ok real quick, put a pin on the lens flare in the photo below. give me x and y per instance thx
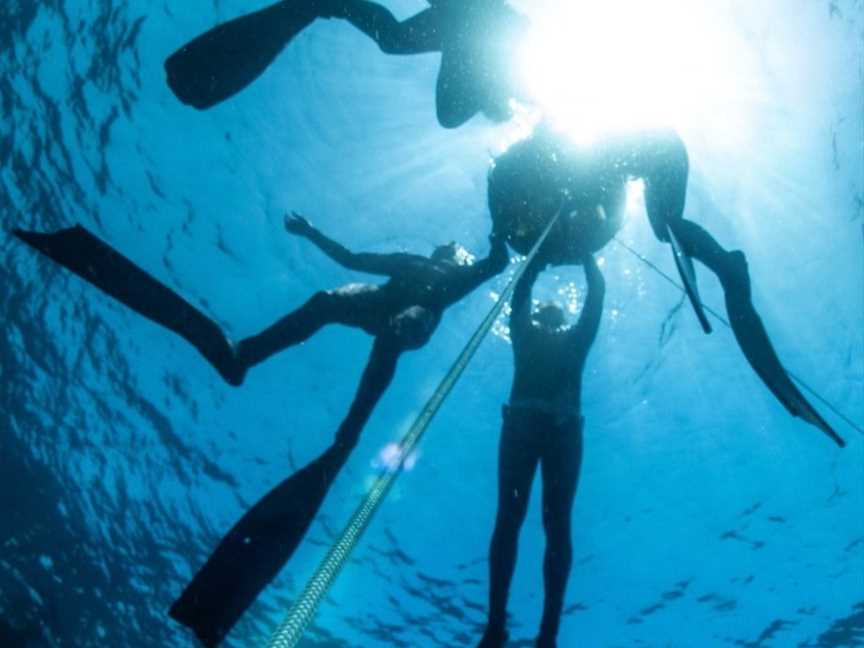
(389, 456)
(595, 67)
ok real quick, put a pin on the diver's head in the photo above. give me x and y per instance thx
(549, 316)
(446, 253)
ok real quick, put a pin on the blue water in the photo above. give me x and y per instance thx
(706, 516)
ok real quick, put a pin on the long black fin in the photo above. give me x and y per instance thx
(81, 252)
(752, 338)
(688, 277)
(754, 342)
(254, 551)
(223, 61)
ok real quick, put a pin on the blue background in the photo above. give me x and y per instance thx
(706, 516)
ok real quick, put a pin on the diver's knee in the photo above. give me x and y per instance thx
(733, 271)
(347, 438)
(235, 376)
(231, 363)
(451, 121)
(322, 301)
(668, 142)
(556, 527)
(558, 538)
(392, 44)
(511, 518)
(452, 116)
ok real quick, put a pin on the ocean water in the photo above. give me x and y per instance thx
(706, 515)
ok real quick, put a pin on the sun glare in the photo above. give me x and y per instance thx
(593, 67)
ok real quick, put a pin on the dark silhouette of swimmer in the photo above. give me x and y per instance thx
(539, 175)
(542, 426)
(475, 38)
(401, 314)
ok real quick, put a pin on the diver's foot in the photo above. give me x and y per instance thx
(494, 638)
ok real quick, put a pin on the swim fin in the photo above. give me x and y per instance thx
(81, 252)
(688, 277)
(221, 62)
(255, 549)
(754, 342)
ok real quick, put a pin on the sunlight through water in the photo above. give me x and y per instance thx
(591, 68)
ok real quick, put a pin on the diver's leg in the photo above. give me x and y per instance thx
(376, 378)
(660, 158)
(517, 463)
(317, 478)
(417, 35)
(698, 243)
(81, 252)
(292, 329)
(352, 305)
(264, 539)
(456, 94)
(561, 461)
(731, 270)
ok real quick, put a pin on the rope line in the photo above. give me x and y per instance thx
(289, 633)
(724, 321)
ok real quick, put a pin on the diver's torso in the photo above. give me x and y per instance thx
(423, 292)
(548, 371)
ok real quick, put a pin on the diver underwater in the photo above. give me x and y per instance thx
(301, 298)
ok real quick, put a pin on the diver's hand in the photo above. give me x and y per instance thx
(297, 225)
(498, 242)
(498, 251)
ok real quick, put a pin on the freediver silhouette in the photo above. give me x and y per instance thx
(542, 426)
(532, 178)
(475, 38)
(401, 314)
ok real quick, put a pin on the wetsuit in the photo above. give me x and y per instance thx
(476, 39)
(542, 426)
(402, 314)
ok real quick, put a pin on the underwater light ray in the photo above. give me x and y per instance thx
(625, 65)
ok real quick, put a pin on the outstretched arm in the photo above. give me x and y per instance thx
(382, 264)
(585, 331)
(520, 303)
(468, 278)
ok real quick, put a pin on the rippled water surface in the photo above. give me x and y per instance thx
(706, 516)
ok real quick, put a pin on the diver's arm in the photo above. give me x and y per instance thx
(585, 331)
(520, 303)
(468, 278)
(382, 264)
(660, 159)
